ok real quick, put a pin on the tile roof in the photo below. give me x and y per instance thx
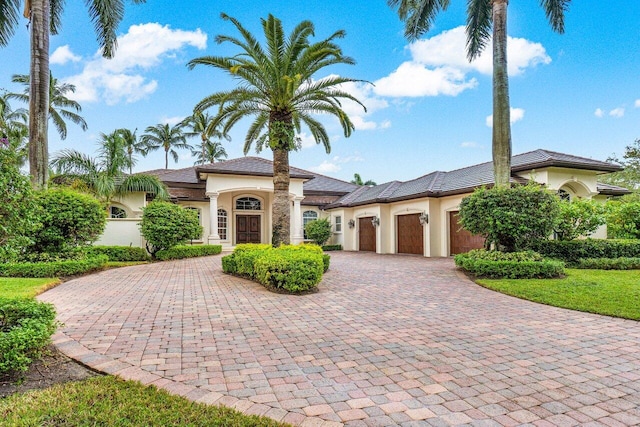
(545, 158)
(612, 190)
(184, 176)
(256, 166)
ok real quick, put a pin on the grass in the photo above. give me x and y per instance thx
(104, 401)
(608, 292)
(23, 287)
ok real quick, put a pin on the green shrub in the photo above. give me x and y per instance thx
(326, 261)
(623, 219)
(69, 220)
(165, 225)
(184, 251)
(229, 264)
(119, 253)
(579, 218)
(289, 270)
(609, 263)
(319, 231)
(328, 248)
(245, 256)
(26, 326)
(574, 250)
(518, 265)
(510, 217)
(53, 269)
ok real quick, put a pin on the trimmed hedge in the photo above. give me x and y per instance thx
(513, 265)
(572, 251)
(26, 326)
(609, 263)
(328, 248)
(119, 253)
(188, 251)
(53, 269)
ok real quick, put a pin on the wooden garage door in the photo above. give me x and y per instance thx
(410, 234)
(367, 233)
(461, 240)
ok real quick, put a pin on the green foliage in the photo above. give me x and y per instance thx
(165, 225)
(319, 231)
(244, 257)
(69, 220)
(623, 219)
(328, 248)
(184, 251)
(26, 327)
(609, 263)
(630, 176)
(53, 269)
(510, 217)
(579, 218)
(12, 287)
(17, 210)
(515, 265)
(574, 250)
(326, 261)
(118, 253)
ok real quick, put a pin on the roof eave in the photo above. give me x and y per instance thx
(569, 165)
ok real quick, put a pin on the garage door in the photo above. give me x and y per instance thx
(367, 234)
(461, 240)
(410, 234)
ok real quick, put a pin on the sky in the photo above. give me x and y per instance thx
(428, 108)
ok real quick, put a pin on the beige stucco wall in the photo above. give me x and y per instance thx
(122, 232)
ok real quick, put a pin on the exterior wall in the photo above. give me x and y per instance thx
(581, 183)
(122, 232)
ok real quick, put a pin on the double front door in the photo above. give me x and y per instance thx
(248, 229)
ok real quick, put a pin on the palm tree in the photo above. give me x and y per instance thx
(13, 128)
(482, 15)
(132, 145)
(45, 19)
(104, 174)
(278, 89)
(60, 107)
(204, 126)
(169, 138)
(357, 180)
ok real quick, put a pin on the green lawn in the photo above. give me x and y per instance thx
(109, 401)
(22, 287)
(610, 292)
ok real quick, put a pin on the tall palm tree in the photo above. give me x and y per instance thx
(204, 126)
(13, 128)
(132, 145)
(357, 180)
(45, 19)
(211, 152)
(278, 89)
(169, 138)
(60, 107)
(482, 15)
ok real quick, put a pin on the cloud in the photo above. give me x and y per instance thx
(637, 103)
(62, 55)
(412, 79)
(598, 113)
(470, 144)
(142, 48)
(617, 112)
(516, 114)
(171, 121)
(334, 165)
(364, 93)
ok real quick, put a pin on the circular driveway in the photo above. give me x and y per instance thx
(388, 340)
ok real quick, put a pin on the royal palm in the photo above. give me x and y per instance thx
(203, 126)
(169, 138)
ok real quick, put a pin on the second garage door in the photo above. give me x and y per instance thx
(460, 240)
(410, 234)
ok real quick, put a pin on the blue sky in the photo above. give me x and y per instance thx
(577, 93)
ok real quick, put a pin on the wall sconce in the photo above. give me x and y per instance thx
(375, 221)
(351, 223)
(424, 218)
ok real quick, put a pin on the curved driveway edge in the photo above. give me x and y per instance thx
(388, 340)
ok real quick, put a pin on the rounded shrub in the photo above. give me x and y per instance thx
(165, 225)
(319, 231)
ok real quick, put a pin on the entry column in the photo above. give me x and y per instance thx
(298, 236)
(214, 237)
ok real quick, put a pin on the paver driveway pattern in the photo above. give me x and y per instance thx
(388, 340)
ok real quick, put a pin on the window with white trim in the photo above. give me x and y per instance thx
(564, 195)
(248, 204)
(307, 217)
(338, 224)
(116, 212)
(222, 224)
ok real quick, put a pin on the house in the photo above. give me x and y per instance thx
(233, 200)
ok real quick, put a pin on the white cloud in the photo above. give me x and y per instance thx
(598, 113)
(334, 165)
(171, 121)
(516, 114)
(121, 79)
(413, 80)
(469, 144)
(62, 55)
(637, 104)
(617, 112)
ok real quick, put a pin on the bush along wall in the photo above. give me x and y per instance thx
(55, 268)
(573, 251)
(186, 251)
(511, 265)
(119, 253)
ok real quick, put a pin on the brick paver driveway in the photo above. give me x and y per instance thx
(388, 340)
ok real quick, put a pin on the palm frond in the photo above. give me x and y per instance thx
(479, 21)
(418, 16)
(555, 10)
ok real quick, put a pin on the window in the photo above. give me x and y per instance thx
(308, 216)
(222, 224)
(116, 212)
(564, 195)
(248, 204)
(338, 224)
(197, 211)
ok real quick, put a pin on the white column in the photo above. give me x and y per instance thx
(214, 237)
(298, 236)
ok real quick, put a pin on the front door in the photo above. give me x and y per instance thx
(247, 229)
(367, 234)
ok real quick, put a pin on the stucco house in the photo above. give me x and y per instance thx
(233, 200)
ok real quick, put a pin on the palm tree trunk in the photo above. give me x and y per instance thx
(501, 142)
(281, 206)
(166, 159)
(39, 94)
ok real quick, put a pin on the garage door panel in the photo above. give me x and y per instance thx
(410, 236)
(461, 240)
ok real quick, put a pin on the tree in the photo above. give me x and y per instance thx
(482, 16)
(278, 89)
(45, 19)
(319, 231)
(204, 126)
(630, 176)
(579, 218)
(165, 225)
(357, 180)
(212, 151)
(132, 145)
(14, 129)
(623, 218)
(169, 138)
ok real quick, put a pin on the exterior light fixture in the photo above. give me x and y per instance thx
(375, 221)
(424, 218)
(351, 223)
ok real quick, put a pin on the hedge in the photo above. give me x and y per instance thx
(188, 251)
(609, 263)
(328, 248)
(119, 253)
(54, 269)
(26, 326)
(516, 265)
(572, 251)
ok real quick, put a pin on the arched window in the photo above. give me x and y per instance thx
(116, 212)
(308, 216)
(222, 224)
(564, 195)
(248, 204)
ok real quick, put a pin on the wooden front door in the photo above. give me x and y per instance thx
(410, 234)
(460, 240)
(367, 234)
(247, 229)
